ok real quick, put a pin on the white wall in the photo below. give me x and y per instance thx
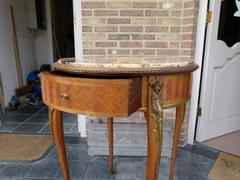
(7, 55)
(42, 46)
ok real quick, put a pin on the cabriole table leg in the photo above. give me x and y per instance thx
(57, 123)
(110, 143)
(180, 112)
(154, 117)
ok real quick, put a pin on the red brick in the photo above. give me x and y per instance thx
(118, 20)
(131, 13)
(187, 52)
(169, 21)
(93, 36)
(143, 52)
(190, 4)
(156, 13)
(87, 28)
(86, 12)
(187, 44)
(106, 44)
(176, 13)
(144, 5)
(105, 13)
(144, 21)
(94, 52)
(93, 21)
(119, 5)
(187, 37)
(189, 28)
(87, 44)
(156, 29)
(131, 44)
(131, 29)
(170, 5)
(174, 44)
(119, 51)
(91, 5)
(176, 29)
(143, 36)
(156, 44)
(188, 21)
(190, 12)
(106, 28)
(118, 36)
(168, 36)
(172, 52)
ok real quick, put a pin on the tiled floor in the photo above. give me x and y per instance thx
(193, 162)
(229, 143)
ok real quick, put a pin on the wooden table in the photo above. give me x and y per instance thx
(117, 87)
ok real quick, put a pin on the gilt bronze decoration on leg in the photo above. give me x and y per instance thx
(157, 116)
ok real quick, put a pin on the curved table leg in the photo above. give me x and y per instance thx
(180, 112)
(154, 116)
(57, 125)
(110, 143)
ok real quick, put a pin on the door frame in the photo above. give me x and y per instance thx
(77, 15)
(200, 40)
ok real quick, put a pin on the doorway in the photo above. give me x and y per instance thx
(62, 28)
(220, 86)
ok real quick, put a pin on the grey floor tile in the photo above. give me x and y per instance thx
(2, 165)
(184, 156)
(46, 168)
(131, 170)
(16, 169)
(28, 128)
(17, 118)
(206, 168)
(99, 170)
(53, 153)
(7, 127)
(40, 118)
(44, 111)
(67, 128)
(188, 171)
(69, 118)
(74, 130)
(79, 153)
(46, 130)
(30, 110)
(202, 150)
(132, 159)
(77, 169)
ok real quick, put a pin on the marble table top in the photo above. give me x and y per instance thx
(124, 65)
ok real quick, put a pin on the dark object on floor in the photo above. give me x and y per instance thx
(45, 67)
(23, 90)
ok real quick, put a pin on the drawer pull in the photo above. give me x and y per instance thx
(63, 96)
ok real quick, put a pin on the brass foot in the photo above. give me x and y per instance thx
(111, 171)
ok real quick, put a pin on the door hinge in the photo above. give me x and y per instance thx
(209, 17)
(199, 111)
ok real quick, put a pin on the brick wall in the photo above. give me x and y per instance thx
(141, 27)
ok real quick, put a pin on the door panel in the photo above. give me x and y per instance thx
(220, 92)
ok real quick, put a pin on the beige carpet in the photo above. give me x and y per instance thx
(15, 147)
(227, 167)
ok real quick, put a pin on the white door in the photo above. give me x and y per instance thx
(220, 87)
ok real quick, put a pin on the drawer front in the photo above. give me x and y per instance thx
(92, 95)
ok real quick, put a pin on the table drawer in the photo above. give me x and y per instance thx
(91, 95)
